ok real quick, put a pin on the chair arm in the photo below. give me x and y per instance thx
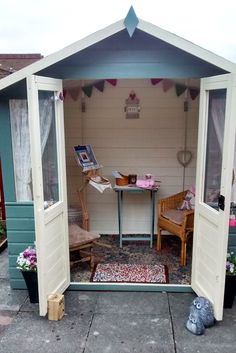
(188, 219)
(171, 202)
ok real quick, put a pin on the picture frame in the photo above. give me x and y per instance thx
(85, 157)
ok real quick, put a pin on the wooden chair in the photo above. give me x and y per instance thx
(177, 222)
(82, 241)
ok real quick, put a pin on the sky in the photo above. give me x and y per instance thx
(46, 26)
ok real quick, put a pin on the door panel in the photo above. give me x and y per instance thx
(46, 123)
(214, 176)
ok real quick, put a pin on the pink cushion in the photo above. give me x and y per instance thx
(175, 216)
(79, 236)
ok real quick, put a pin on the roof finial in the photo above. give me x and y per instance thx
(131, 21)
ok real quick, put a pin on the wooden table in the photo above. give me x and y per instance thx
(133, 189)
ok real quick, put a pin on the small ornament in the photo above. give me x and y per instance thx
(132, 107)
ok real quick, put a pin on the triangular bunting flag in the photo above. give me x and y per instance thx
(74, 92)
(167, 84)
(180, 89)
(99, 85)
(112, 81)
(88, 90)
(155, 81)
(194, 92)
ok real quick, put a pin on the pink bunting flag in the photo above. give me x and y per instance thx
(155, 81)
(74, 92)
(167, 84)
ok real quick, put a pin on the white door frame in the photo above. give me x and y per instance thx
(51, 224)
(210, 225)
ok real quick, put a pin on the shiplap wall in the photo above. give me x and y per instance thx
(132, 146)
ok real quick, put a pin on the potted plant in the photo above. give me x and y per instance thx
(27, 264)
(230, 280)
(3, 238)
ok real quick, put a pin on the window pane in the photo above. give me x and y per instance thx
(215, 136)
(48, 147)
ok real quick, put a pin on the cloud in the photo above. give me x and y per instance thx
(46, 26)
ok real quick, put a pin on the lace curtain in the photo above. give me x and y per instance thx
(21, 149)
(217, 111)
(21, 143)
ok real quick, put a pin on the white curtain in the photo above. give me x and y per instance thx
(21, 142)
(21, 148)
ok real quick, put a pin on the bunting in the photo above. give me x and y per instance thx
(112, 81)
(155, 81)
(99, 85)
(167, 84)
(88, 90)
(194, 92)
(180, 89)
(73, 92)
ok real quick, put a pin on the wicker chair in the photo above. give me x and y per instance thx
(178, 223)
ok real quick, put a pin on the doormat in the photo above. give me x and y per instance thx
(130, 273)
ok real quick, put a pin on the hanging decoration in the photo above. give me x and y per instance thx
(167, 84)
(99, 85)
(132, 108)
(155, 81)
(184, 156)
(73, 92)
(88, 90)
(180, 89)
(194, 92)
(112, 81)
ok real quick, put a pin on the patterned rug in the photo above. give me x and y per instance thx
(138, 253)
(130, 273)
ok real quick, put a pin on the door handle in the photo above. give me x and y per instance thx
(221, 202)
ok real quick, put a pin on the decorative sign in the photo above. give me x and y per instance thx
(132, 108)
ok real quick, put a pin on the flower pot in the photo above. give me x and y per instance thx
(31, 281)
(230, 291)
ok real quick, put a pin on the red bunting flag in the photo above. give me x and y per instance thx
(112, 81)
(194, 92)
(155, 81)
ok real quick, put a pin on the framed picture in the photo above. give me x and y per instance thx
(85, 157)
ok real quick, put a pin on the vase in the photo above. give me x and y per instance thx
(230, 291)
(31, 281)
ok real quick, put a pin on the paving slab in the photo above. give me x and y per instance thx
(30, 333)
(11, 300)
(80, 302)
(133, 303)
(4, 264)
(126, 333)
(218, 339)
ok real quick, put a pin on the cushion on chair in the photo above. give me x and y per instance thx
(79, 236)
(175, 216)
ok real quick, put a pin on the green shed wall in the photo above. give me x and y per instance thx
(19, 215)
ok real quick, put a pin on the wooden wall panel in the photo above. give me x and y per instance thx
(145, 145)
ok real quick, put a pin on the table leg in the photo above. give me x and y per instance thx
(152, 213)
(120, 214)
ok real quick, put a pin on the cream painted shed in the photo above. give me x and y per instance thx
(135, 55)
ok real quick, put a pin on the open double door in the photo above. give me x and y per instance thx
(211, 219)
